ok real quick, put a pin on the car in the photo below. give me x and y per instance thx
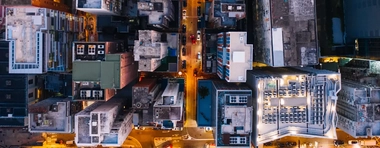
(195, 73)
(184, 64)
(192, 38)
(353, 142)
(208, 129)
(199, 57)
(291, 143)
(184, 14)
(183, 51)
(183, 28)
(268, 144)
(199, 11)
(183, 40)
(184, 3)
(198, 35)
(338, 142)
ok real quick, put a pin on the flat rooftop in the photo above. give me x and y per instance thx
(241, 56)
(50, 115)
(284, 107)
(240, 116)
(22, 28)
(155, 10)
(297, 40)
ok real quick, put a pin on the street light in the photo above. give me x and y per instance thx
(180, 73)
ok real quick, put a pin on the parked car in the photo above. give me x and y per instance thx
(183, 28)
(268, 144)
(184, 14)
(199, 11)
(198, 35)
(199, 56)
(338, 142)
(184, 3)
(195, 72)
(291, 143)
(184, 64)
(183, 51)
(183, 40)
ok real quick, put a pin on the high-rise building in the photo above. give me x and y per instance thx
(100, 7)
(286, 33)
(103, 123)
(40, 39)
(149, 50)
(16, 92)
(232, 114)
(299, 101)
(51, 115)
(226, 13)
(158, 12)
(168, 108)
(234, 56)
(111, 68)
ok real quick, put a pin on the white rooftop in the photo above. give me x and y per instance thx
(241, 56)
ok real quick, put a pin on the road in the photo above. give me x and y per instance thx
(192, 62)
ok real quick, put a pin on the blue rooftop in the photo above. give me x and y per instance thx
(204, 116)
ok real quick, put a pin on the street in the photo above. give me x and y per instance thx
(193, 63)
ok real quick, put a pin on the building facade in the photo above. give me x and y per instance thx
(40, 39)
(232, 114)
(149, 50)
(16, 92)
(103, 123)
(297, 101)
(234, 56)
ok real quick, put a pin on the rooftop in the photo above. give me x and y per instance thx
(50, 115)
(289, 37)
(155, 10)
(240, 117)
(284, 106)
(228, 12)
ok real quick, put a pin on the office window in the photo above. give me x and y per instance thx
(8, 96)
(30, 81)
(31, 95)
(8, 82)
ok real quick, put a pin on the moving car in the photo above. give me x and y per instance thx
(199, 56)
(353, 142)
(195, 72)
(338, 142)
(192, 38)
(198, 35)
(184, 14)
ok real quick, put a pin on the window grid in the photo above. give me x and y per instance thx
(243, 99)
(91, 50)
(233, 99)
(80, 50)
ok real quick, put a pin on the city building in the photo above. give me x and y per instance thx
(40, 39)
(149, 50)
(2, 21)
(60, 83)
(234, 56)
(158, 12)
(103, 123)
(51, 115)
(367, 48)
(101, 7)
(60, 5)
(286, 33)
(226, 13)
(16, 92)
(299, 101)
(168, 108)
(111, 68)
(358, 20)
(232, 114)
